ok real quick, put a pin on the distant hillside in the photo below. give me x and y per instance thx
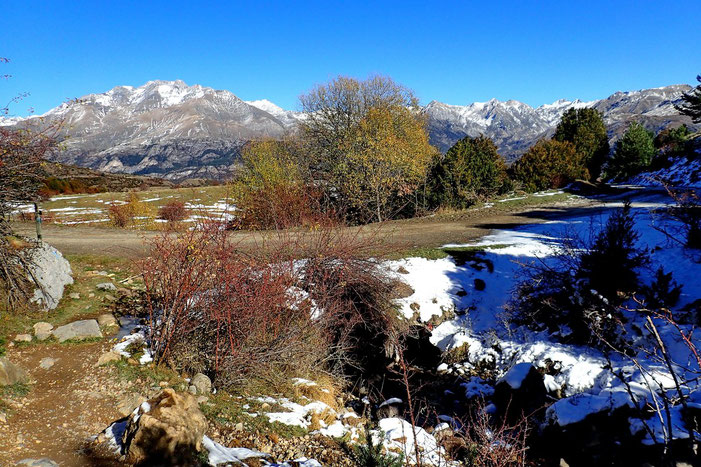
(515, 126)
(172, 130)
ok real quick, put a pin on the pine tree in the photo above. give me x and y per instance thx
(691, 103)
(585, 129)
(633, 153)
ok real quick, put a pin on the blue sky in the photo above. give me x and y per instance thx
(454, 52)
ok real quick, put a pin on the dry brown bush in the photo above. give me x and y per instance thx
(173, 211)
(294, 305)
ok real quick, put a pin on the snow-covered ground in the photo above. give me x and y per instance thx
(682, 172)
(478, 292)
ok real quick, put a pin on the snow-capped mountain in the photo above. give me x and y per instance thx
(170, 129)
(163, 128)
(515, 126)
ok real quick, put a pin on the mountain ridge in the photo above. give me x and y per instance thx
(177, 131)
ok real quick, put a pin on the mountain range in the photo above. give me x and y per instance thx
(176, 131)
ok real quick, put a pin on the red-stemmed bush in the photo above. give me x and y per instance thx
(173, 211)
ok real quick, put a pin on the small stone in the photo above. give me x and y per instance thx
(43, 462)
(91, 295)
(42, 330)
(108, 357)
(23, 338)
(3, 417)
(74, 296)
(164, 384)
(43, 326)
(239, 426)
(192, 390)
(127, 405)
(107, 287)
(110, 298)
(202, 383)
(47, 363)
(107, 320)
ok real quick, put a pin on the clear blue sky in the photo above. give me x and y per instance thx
(454, 52)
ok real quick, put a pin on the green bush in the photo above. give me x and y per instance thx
(471, 170)
(633, 153)
(548, 164)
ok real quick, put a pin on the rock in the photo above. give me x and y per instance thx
(107, 320)
(521, 391)
(108, 357)
(23, 338)
(11, 373)
(402, 270)
(390, 408)
(192, 390)
(42, 330)
(480, 284)
(3, 417)
(52, 273)
(127, 404)
(202, 383)
(47, 363)
(83, 329)
(106, 286)
(110, 298)
(43, 462)
(74, 296)
(167, 430)
(401, 289)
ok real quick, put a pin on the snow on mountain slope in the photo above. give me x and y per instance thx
(515, 126)
(170, 129)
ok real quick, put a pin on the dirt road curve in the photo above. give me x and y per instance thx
(404, 234)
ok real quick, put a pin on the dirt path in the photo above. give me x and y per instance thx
(429, 231)
(68, 402)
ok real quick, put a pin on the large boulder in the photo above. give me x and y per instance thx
(165, 430)
(11, 373)
(51, 272)
(78, 330)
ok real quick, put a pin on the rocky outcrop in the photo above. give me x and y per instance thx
(165, 430)
(51, 272)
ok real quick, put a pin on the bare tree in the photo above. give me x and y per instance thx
(22, 150)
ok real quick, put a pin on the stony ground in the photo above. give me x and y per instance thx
(67, 403)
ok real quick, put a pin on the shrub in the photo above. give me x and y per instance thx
(264, 315)
(125, 214)
(549, 164)
(270, 192)
(173, 211)
(578, 296)
(685, 215)
(371, 454)
(471, 170)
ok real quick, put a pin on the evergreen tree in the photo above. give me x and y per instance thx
(585, 129)
(471, 169)
(611, 265)
(691, 103)
(633, 152)
(548, 164)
